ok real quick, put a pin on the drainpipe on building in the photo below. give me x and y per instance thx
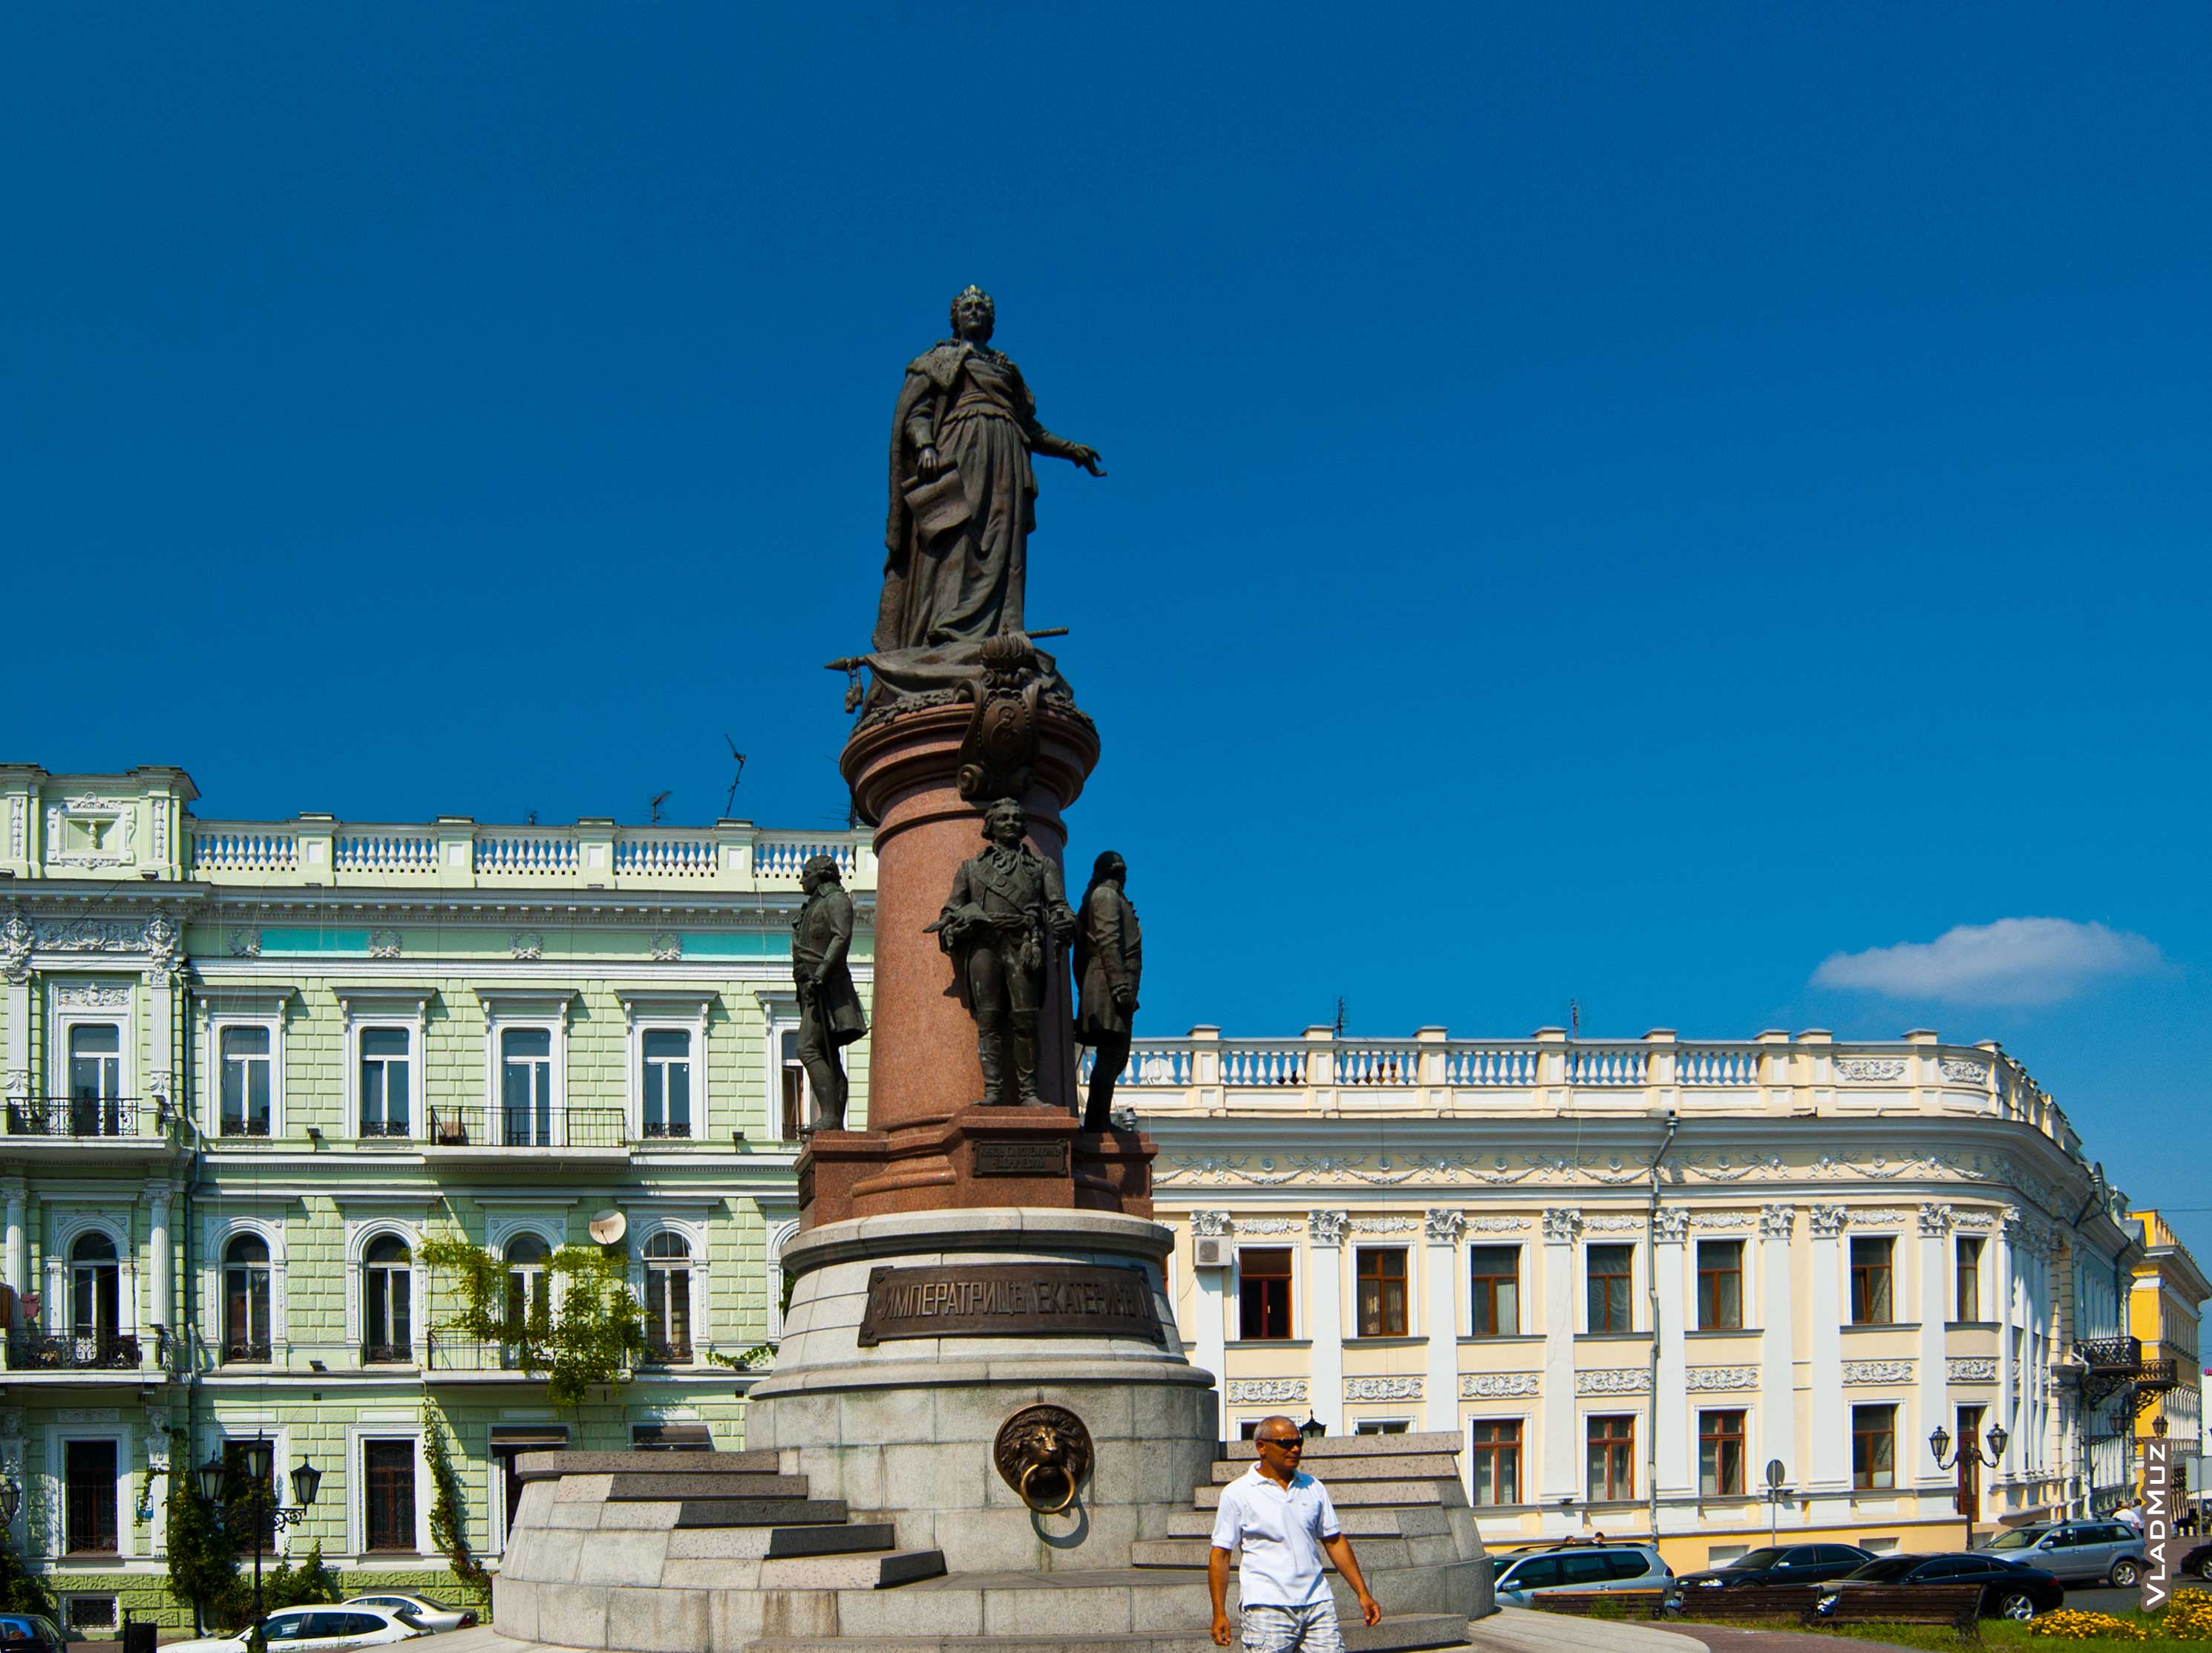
(1651, 1286)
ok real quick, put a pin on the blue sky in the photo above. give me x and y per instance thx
(1619, 504)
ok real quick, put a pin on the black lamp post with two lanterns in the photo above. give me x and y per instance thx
(228, 1488)
(1939, 1442)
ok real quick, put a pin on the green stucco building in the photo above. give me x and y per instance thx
(249, 1067)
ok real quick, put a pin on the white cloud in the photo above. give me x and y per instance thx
(2015, 960)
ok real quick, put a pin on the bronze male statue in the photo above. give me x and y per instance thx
(1005, 921)
(830, 1015)
(1109, 959)
(963, 493)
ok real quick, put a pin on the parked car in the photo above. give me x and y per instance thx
(2074, 1551)
(2198, 1562)
(311, 1630)
(1580, 1567)
(424, 1611)
(30, 1633)
(2009, 1590)
(1782, 1564)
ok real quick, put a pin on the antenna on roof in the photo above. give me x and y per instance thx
(1339, 1016)
(658, 800)
(1574, 1019)
(740, 775)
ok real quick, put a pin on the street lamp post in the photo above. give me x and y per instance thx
(219, 1482)
(1939, 1442)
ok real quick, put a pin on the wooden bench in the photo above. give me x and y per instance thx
(1603, 1603)
(1752, 1604)
(1958, 1606)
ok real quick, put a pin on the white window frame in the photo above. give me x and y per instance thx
(1636, 1285)
(357, 1437)
(778, 1016)
(1520, 1248)
(691, 1228)
(1353, 1422)
(779, 1236)
(1300, 1310)
(1613, 1406)
(1414, 1273)
(506, 1012)
(1528, 1446)
(663, 1012)
(216, 1234)
(1753, 1486)
(69, 1227)
(66, 1012)
(230, 1008)
(407, 1008)
(360, 1232)
(59, 1435)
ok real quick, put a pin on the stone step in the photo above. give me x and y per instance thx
(544, 1465)
(1351, 1494)
(787, 1541)
(1386, 1521)
(760, 1512)
(1357, 1446)
(880, 1571)
(675, 1489)
(1423, 1466)
(1405, 1633)
(1376, 1553)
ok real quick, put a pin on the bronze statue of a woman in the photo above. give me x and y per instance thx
(963, 494)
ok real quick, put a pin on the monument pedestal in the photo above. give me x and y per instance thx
(1036, 1157)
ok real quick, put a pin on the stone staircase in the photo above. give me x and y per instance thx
(725, 1553)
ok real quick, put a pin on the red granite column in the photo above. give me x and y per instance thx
(924, 1084)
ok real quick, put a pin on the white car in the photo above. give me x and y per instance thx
(421, 1609)
(310, 1630)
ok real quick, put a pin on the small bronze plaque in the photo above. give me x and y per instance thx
(1008, 1299)
(1046, 1159)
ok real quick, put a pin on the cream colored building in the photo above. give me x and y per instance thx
(1629, 1274)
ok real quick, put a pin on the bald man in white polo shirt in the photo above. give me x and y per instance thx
(1283, 1523)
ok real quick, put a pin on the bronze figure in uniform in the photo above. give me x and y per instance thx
(1109, 960)
(963, 493)
(830, 1015)
(1004, 924)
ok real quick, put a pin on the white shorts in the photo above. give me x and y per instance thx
(1292, 1630)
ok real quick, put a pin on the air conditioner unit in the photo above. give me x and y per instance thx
(1211, 1254)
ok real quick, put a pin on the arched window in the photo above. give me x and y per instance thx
(245, 1299)
(388, 1301)
(95, 1287)
(667, 1298)
(528, 1300)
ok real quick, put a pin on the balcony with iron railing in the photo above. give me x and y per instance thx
(32, 1350)
(1208, 1072)
(511, 1130)
(454, 851)
(90, 1118)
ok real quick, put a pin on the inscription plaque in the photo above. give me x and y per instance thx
(1021, 1158)
(1008, 1299)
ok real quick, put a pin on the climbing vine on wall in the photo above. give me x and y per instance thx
(596, 1337)
(448, 1526)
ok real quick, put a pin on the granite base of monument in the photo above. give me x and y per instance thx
(875, 1503)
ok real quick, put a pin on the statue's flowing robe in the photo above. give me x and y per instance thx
(970, 404)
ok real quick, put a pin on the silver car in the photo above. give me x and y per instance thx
(1582, 1567)
(2075, 1552)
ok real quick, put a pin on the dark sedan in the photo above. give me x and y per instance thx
(2010, 1591)
(1782, 1564)
(2197, 1564)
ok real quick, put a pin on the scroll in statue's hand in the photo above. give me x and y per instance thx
(927, 462)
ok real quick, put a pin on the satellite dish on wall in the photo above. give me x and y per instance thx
(609, 1226)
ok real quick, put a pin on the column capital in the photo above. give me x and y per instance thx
(1326, 1227)
(1827, 1221)
(1671, 1226)
(1777, 1221)
(1561, 1224)
(1443, 1226)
